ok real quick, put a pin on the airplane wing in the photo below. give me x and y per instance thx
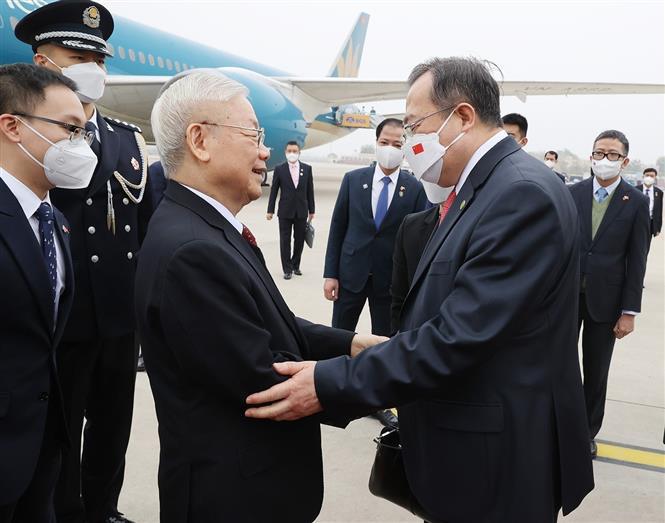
(341, 91)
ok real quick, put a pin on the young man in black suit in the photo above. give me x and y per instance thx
(370, 206)
(484, 369)
(212, 322)
(43, 144)
(650, 190)
(614, 243)
(293, 179)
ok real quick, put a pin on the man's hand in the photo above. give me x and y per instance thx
(331, 289)
(361, 342)
(290, 400)
(625, 325)
(311, 216)
(269, 216)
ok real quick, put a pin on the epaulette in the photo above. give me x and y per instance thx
(121, 123)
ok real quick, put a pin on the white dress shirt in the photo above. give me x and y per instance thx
(648, 191)
(475, 158)
(610, 188)
(377, 186)
(93, 121)
(237, 225)
(30, 202)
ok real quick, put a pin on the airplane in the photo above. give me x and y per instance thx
(311, 111)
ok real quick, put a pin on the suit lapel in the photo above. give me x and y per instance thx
(365, 190)
(585, 209)
(618, 202)
(398, 202)
(67, 294)
(185, 197)
(23, 244)
(109, 156)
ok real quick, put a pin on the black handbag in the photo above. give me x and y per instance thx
(309, 234)
(388, 477)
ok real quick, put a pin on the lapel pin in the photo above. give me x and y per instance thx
(462, 205)
(65, 229)
(626, 198)
(108, 126)
(135, 164)
(402, 190)
(364, 186)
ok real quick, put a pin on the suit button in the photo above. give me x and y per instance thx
(94, 258)
(88, 201)
(128, 228)
(125, 201)
(130, 255)
(43, 396)
(91, 230)
(589, 253)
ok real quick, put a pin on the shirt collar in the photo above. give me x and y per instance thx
(609, 189)
(27, 199)
(379, 174)
(237, 225)
(293, 166)
(480, 152)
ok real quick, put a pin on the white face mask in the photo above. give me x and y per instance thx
(425, 154)
(292, 157)
(67, 164)
(389, 157)
(550, 163)
(89, 78)
(435, 193)
(649, 180)
(604, 169)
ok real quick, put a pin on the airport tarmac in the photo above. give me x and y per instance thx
(629, 473)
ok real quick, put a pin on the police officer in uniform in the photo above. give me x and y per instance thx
(97, 356)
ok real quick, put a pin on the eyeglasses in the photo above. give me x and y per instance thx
(612, 157)
(76, 133)
(409, 130)
(259, 133)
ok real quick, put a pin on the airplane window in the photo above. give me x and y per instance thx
(121, 52)
(160, 62)
(151, 59)
(132, 55)
(169, 64)
(110, 48)
(177, 66)
(141, 57)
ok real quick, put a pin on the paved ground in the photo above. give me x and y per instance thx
(635, 413)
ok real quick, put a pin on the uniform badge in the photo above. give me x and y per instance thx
(135, 164)
(91, 17)
(108, 126)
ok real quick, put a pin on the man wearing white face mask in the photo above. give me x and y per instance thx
(614, 242)
(44, 145)
(370, 206)
(108, 219)
(655, 195)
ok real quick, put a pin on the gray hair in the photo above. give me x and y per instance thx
(456, 80)
(173, 110)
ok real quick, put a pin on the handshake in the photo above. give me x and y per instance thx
(296, 398)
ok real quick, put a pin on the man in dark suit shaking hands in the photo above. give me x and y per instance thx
(370, 206)
(614, 242)
(484, 368)
(293, 179)
(43, 144)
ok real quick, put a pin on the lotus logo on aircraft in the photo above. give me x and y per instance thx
(348, 65)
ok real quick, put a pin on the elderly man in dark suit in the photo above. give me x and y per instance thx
(38, 108)
(484, 369)
(655, 194)
(293, 180)
(212, 322)
(614, 243)
(370, 206)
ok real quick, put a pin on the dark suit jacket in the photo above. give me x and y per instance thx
(613, 263)
(157, 182)
(293, 202)
(485, 369)
(412, 236)
(103, 304)
(212, 323)
(28, 338)
(355, 248)
(657, 215)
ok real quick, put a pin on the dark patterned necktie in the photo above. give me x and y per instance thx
(249, 238)
(45, 216)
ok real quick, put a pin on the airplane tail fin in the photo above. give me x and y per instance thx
(347, 63)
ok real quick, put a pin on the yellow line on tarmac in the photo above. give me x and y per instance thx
(631, 455)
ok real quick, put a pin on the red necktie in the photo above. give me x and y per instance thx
(447, 205)
(249, 237)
